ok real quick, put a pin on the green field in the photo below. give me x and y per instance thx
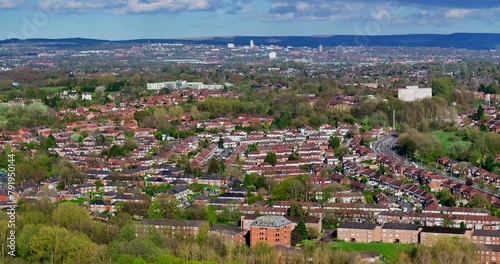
(390, 251)
(447, 138)
(54, 89)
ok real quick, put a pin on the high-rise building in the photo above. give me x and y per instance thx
(252, 45)
(320, 48)
(230, 45)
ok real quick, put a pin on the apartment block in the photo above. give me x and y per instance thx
(273, 230)
(486, 237)
(430, 234)
(400, 233)
(359, 232)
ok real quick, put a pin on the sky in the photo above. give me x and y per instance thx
(133, 19)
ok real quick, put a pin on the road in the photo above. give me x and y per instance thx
(385, 146)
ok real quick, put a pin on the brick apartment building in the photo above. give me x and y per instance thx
(273, 230)
(400, 233)
(359, 232)
(235, 234)
(313, 224)
(486, 237)
(430, 234)
(173, 227)
(489, 254)
(369, 232)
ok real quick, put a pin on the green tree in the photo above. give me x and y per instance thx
(334, 142)
(446, 198)
(155, 211)
(478, 201)
(220, 143)
(443, 86)
(480, 112)
(51, 141)
(299, 233)
(72, 217)
(271, 158)
(296, 210)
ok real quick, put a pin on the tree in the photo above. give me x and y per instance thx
(51, 142)
(334, 142)
(271, 158)
(296, 210)
(160, 118)
(442, 86)
(57, 244)
(213, 166)
(299, 233)
(478, 201)
(195, 113)
(483, 128)
(446, 198)
(341, 151)
(480, 112)
(170, 206)
(155, 211)
(220, 143)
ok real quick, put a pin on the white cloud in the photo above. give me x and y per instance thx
(457, 13)
(8, 4)
(137, 6)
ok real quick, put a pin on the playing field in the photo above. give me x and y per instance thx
(389, 250)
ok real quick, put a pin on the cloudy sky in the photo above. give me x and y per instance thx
(128, 19)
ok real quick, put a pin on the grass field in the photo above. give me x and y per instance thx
(446, 138)
(390, 251)
(54, 89)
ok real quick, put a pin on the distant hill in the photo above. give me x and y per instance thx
(474, 41)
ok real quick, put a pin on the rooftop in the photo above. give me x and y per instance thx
(271, 221)
(443, 230)
(354, 225)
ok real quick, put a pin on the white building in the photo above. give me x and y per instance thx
(230, 45)
(413, 93)
(183, 85)
(87, 96)
(272, 55)
(252, 45)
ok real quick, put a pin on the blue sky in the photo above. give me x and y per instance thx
(129, 19)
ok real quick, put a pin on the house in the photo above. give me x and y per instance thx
(231, 233)
(273, 230)
(99, 206)
(359, 232)
(181, 192)
(213, 180)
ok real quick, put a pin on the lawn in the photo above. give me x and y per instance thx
(76, 201)
(389, 250)
(54, 89)
(447, 138)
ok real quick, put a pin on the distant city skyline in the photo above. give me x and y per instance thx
(133, 19)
